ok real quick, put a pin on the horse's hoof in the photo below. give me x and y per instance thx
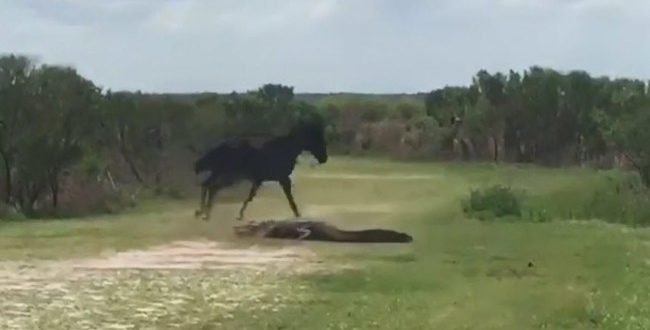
(205, 217)
(239, 218)
(197, 213)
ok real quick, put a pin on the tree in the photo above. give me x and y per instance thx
(450, 102)
(513, 123)
(445, 106)
(630, 135)
(490, 107)
(143, 128)
(167, 126)
(15, 72)
(123, 125)
(50, 114)
(276, 95)
(268, 112)
(69, 107)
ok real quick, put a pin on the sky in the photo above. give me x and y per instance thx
(369, 46)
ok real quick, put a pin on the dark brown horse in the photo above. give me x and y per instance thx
(273, 161)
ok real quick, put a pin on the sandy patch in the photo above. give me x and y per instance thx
(195, 255)
(170, 286)
(180, 255)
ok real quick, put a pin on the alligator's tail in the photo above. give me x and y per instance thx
(374, 236)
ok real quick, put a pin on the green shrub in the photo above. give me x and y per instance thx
(624, 200)
(493, 202)
(616, 198)
(7, 212)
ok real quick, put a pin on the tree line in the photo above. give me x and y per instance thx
(58, 129)
(549, 117)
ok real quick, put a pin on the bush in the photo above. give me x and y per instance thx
(8, 212)
(84, 197)
(622, 201)
(617, 199)
(493, 202)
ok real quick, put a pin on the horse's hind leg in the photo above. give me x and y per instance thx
(205, 185)
(214, 187)
(212, 192)
(251, 195)
(286, 187)
(199, 211)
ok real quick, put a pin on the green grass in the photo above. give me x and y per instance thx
(459, 273)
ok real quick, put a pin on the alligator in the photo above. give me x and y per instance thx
(312, 230)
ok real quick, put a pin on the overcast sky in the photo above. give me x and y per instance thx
(324, 45)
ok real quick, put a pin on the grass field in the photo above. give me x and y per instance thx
(458, 273)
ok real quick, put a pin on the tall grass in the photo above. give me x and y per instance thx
(613, 197)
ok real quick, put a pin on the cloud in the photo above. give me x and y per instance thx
(237, 17)
(324, 45)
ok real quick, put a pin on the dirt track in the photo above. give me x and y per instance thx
(180, 255)
(175, 283)
(195, 255)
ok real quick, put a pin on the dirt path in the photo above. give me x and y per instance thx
(196, 255)
(179, 255)
(172, 285)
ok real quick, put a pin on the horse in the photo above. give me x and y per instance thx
(274, 161)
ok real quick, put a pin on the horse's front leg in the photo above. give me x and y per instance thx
(204, 192)
(256, 185)
(286, 187)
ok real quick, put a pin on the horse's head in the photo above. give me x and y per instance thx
(312, 139)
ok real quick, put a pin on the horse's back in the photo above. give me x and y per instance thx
(230, 157)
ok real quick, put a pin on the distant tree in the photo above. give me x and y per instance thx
(490, 111)
(450, 102)
(408, 111)
(125, 128)
(630, 135)
(276, 95)
(144, 128)
(15, 73)
(53, 113)
(268, 112)
(514, 113)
